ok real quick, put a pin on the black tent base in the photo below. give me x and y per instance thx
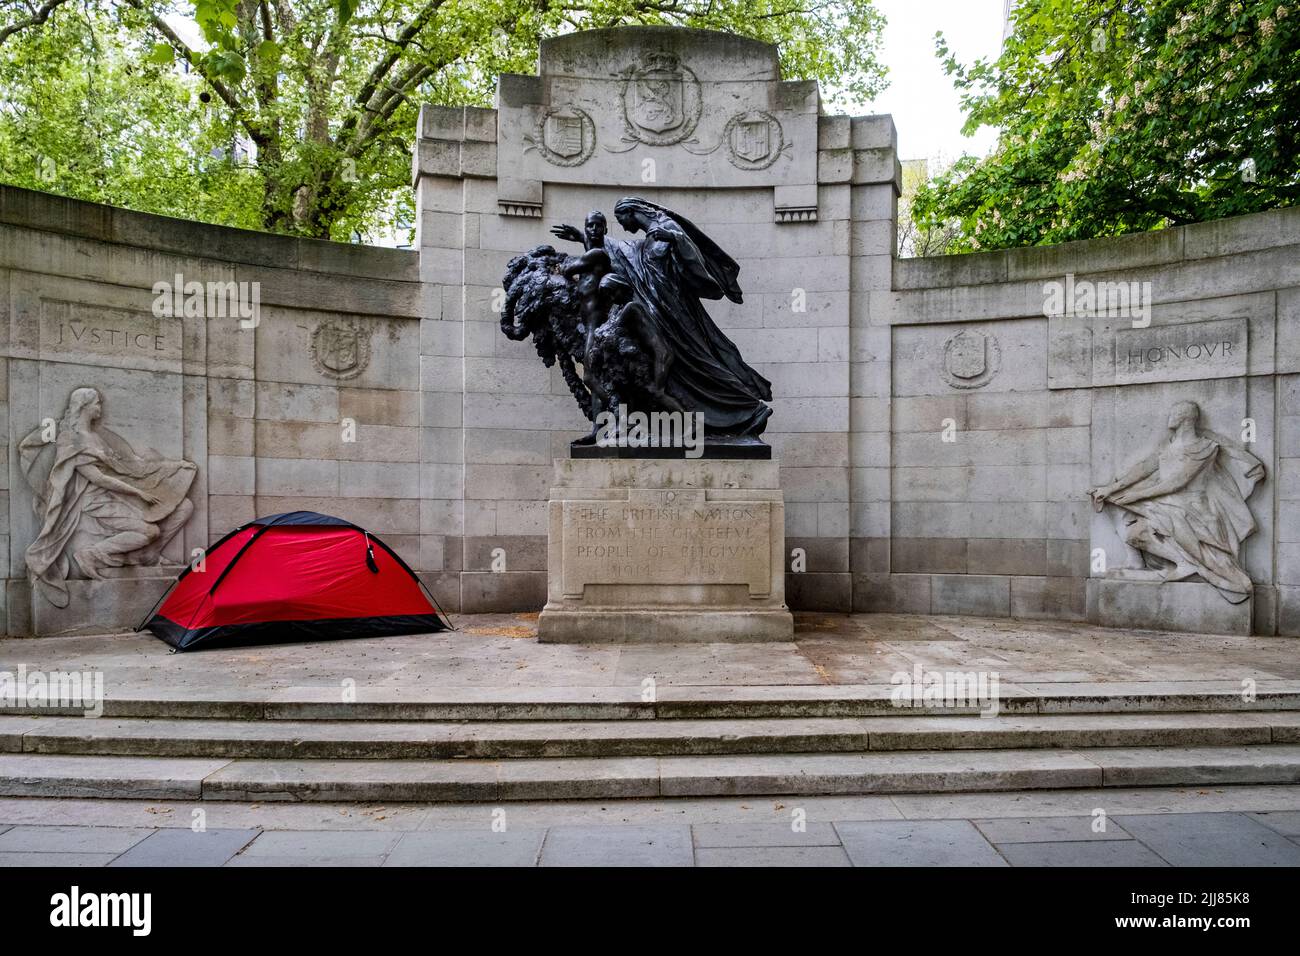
(284, 632)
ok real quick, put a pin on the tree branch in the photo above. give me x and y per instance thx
(382, 68)
(38, 17)
(222, 90)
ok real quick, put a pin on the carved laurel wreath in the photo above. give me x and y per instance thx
(778, 147)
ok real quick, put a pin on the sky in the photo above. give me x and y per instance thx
(920, 96)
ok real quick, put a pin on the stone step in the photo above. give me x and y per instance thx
(287, 740)
(629, 777)
(683, 702)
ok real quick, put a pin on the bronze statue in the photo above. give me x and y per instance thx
(629, 312)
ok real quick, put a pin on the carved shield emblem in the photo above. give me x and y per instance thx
(967, 356)
(340, 349)
(662, 101)
(970, 359)
(565, 136)
(565, 133)
(657, 99)
(752, 139)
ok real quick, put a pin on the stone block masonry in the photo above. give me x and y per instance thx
(939, 422)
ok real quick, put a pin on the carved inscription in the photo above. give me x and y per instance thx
(123, 338)
(1178, 353)
(679, 539)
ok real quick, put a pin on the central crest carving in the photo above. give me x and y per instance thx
(662, 101)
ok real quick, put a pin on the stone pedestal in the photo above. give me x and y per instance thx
(117, 602)
(654, 550)
(1165, 606)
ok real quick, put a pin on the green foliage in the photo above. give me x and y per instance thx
(87, 111)
(1125, 115)
(322, 94)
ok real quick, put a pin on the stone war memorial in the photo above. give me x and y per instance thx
(655, 371)
(651, 509)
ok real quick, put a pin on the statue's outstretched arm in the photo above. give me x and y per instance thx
(1103, 493)
(568, 233)
(1135, 474)
(97, 476)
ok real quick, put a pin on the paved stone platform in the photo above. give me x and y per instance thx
(488, 715)
(491, 655)
(1239, 826)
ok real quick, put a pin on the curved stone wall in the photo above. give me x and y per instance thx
(940, 422)
(227, 361)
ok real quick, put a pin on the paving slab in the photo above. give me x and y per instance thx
(18, 859)
(71, 839)
(917, 843)
(181, 846)
(818, 856)
(317, 848)
(1212, 839)
(220, 814)
(1049, 830)
(468, 848)
(618, 846)
(1049, 803)
(825, 672)
(1285, 822)
(722, 835)
(1081, 853)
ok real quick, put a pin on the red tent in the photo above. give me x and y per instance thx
(298, 576)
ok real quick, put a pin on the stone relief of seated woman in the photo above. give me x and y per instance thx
(101, 504)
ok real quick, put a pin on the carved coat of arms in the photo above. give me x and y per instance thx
(971, 359)
(662, 101)
(565, 136)
(340, 349)
(657, 99)
(755, 140)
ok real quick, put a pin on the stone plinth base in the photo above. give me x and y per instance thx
(660, 626)
(1166, 606)
(115, 603)
(654, 550)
